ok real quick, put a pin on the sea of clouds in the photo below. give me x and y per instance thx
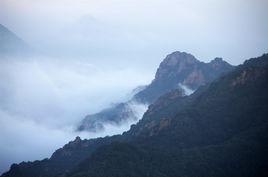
(44, 98)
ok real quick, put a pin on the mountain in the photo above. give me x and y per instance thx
(219, 130)
(178, 70)
(61, 161)
(119, 114)
(182, 68)
(11, 44)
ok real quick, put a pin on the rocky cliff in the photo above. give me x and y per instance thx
(178, 70)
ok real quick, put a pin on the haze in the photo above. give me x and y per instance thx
(135, 31)
(94, 52)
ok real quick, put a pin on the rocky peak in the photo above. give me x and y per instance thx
(76, 142)
(177, 57)
(219, 63)
(66, 150)
(217, 60)
(77, 139)
(175, 62)
(181, 68)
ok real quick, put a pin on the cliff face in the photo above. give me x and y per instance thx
(182, 68)
(178, 70)
(222, 102)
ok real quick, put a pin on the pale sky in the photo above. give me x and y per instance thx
(141, 31)
(97, 51)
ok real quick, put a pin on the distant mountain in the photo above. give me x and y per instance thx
(178, 70)
(118, 114)
(220, 130)
(11, 44)
(182, 68)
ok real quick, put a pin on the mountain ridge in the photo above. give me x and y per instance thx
(220, 130)
(181, 67)
(177, 70)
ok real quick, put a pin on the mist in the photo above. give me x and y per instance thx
(130, 31)
(43, 99)
(187, 91)
(111, 128)
(91, 54)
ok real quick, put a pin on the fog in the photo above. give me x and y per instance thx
(187, 91)
(93, 53)
(131, 32)
(43, 99)
(138, 110)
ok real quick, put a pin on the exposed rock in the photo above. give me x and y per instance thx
(181, 67)
(116, 115)
(177, 68)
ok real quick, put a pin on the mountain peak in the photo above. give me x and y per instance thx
(182, 68)
(178, 57)
(218, 63)
(175, 62)
(217, 59)
(77, 139)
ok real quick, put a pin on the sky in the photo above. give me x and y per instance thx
(134, 31)
(95, 52)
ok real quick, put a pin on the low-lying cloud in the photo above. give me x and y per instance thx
(109, 128)
(42, 99)
(187, 91)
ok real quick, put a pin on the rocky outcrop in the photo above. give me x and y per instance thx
(178, 70)
(116, 115)
(182, 68)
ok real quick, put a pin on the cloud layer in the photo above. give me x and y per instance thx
(42, 99)
(99, 50)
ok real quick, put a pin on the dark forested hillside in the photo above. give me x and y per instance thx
(220, 130)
